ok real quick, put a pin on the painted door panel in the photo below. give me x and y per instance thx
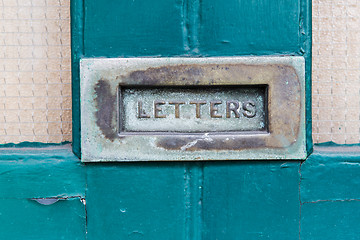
(177, 200)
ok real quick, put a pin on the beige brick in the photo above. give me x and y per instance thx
(26, 90)
(339, 88)
(53, 12)
(39, 26)
(353, 63)
(40, 102)
(66, 115)
(66, 103)
(66, 64)
(338, 114)
(324, 128)
(325, 101)
(2, 104)
(352, 127)
(338, 127)
(53, 77)
(54, 115)
(11, 90)
(25, 26)
(323, 138)
(40, 65)
(64, 2)
(64, 13)
(39, 2)
(38, 13)
(40, 90)
(40, 52)
(11, 116)
(2, 129)
(26, 138)
(26, 103)
(53, 64)
(54, 128)
(65, 37)
(12, 103)
(353, 76)
(340, 24)
(65, 25)
(339, 101)
(338, 138)
(26, 116)
(325, 88)
(324, 114)
(54, 52)
(39, 116)
(352, 138)
(54, 103)
(39, 77)
(11, 52)
(67, 138)
(39, 37)
(2, 117)
(66, 89)
(352, 114)
(12, 129)
(65, 51)
(11, 65)
(41, 138)
(11, 77)
(55, 138)
(54, 38)
(54, 90)
(66, 128)
(27, 129)
(25, 77)
(353, 23)
(53, 26)
(40, 129)
(12, 139)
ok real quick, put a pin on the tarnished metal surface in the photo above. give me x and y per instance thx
(143, 109)
(192, 110)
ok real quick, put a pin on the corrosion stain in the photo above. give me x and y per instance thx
(105, 108)
(165, 74)
(216, 143)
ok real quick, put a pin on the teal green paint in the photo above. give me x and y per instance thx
(208, 200)
(225, 200)
(189, 28)
(41, 172)
(251, 200)
(332, 144)
(305, 50)
(249, 27)
(331, 173)
(31, 145)
(133, 28)
(137, 201)
(27, 219)
(330, 220)
(77, 49)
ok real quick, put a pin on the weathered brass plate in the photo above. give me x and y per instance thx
(192, 110)
(233, 108)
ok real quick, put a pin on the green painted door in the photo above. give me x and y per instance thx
(191, 200)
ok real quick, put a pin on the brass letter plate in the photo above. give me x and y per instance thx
(172, 109)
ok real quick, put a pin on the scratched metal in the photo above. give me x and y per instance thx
(230, 113)
(106, 130)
